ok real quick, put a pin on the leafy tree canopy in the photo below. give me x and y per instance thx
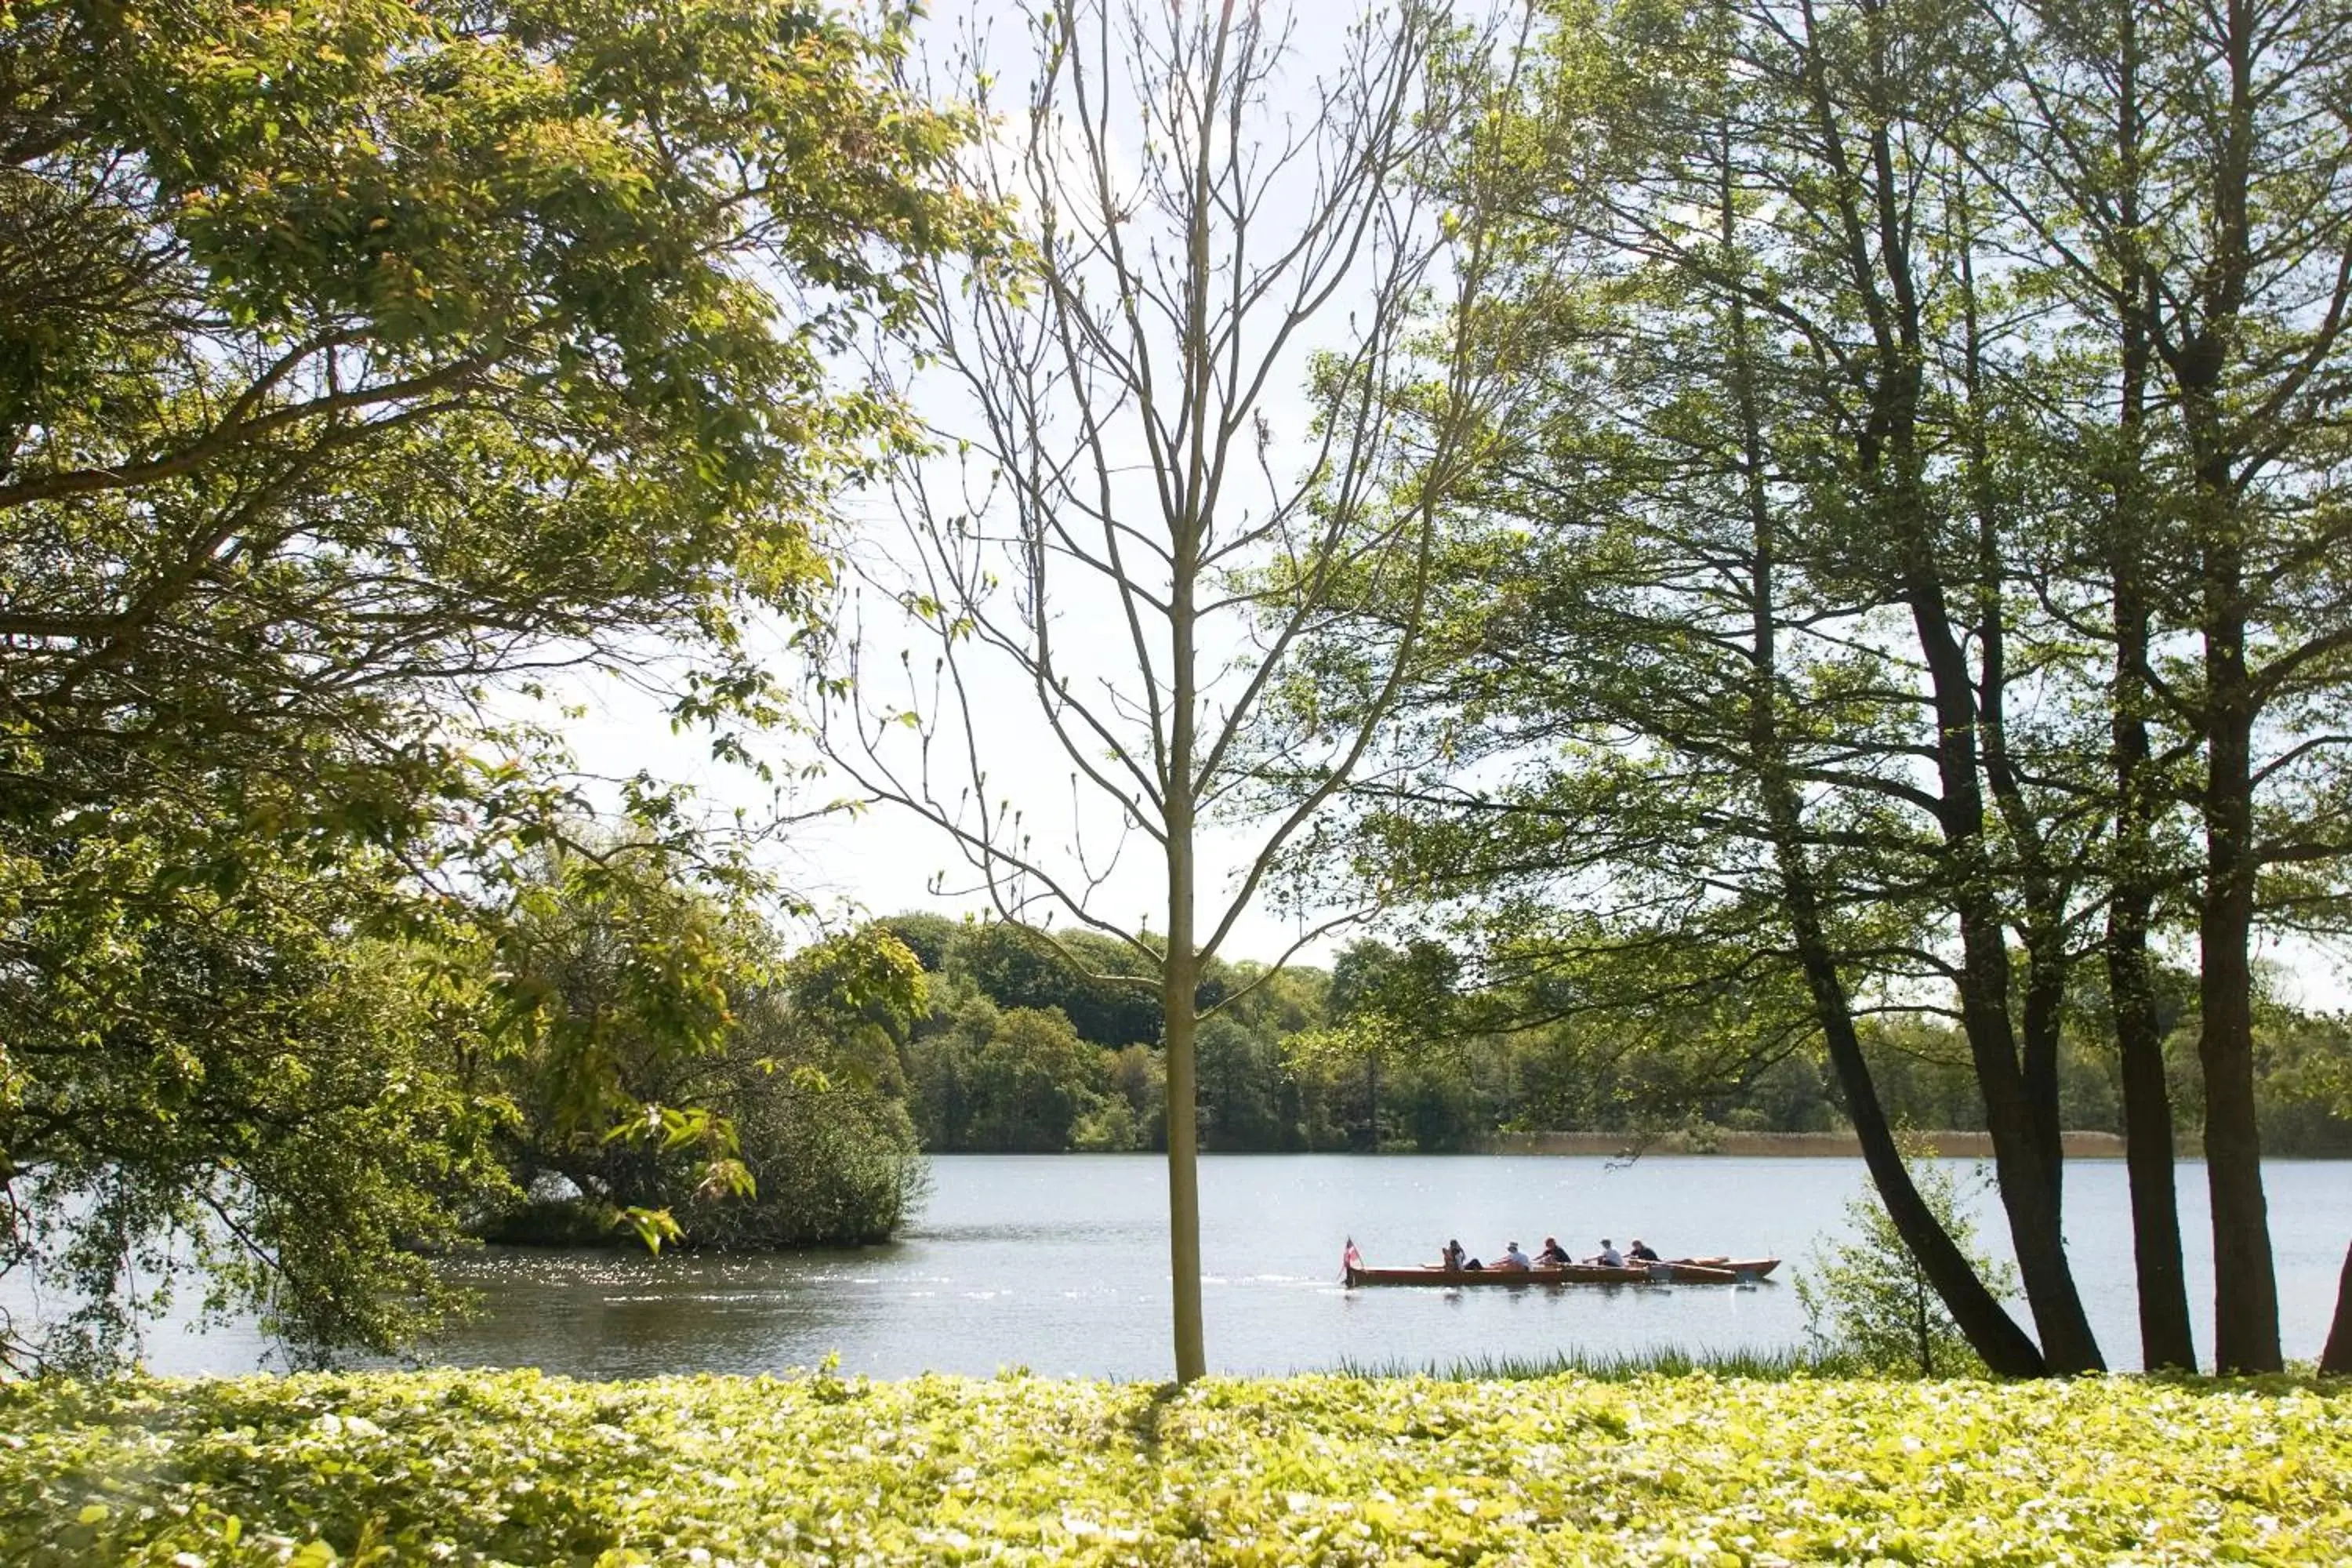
(360, 359)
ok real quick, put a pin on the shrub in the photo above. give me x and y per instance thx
(1869, 1304)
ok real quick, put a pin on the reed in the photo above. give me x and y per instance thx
(1775, 1365)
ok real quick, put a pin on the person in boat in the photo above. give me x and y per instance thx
(1639, 1252)
(1553, 1253)
(1608, 1257)
(1456, 1258)
(1513, 1258)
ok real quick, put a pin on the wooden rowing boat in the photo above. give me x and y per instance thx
(1673, 1271)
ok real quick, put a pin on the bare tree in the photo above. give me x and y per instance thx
(1139, 516)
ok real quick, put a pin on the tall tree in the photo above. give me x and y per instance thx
(2192, 193)
(1146, 522)
(2072, 98)
(1751, 613)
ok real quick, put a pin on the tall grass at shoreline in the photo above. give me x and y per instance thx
(1609, 1366)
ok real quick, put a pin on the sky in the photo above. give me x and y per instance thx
(888, 860)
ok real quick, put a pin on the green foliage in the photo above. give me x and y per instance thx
(1135, 1116)
(263, 1092)
(516, 1468)
(1609, 1367)
(832, 1162)
(1014, 1080)
(1240, 1087)
(1899, 580)
(1392, 1048)
(1016, 968)
(1867, 1301)
(691, 1080)
(2304, 1083)
(361, 360)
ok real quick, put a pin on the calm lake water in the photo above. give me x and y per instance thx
(1059, 1263)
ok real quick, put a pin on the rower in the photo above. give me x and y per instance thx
(1640, 1253)
(1608, 1257)
(1513, 1258)
(1454, 1256)
(1553, 1255)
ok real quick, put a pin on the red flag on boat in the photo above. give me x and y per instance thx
(1350, 1260)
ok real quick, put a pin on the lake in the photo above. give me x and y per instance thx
(1058, 1263)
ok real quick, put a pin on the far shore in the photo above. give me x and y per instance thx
(1797, 1145)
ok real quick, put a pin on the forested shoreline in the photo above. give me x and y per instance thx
(1022, 1050)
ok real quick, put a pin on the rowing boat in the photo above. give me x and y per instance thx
(1673, 1271)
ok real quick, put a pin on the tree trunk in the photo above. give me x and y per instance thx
(2165, 1336)
(2043, 881)
(1180, 978)
(1180, 972)
(2245, 1289)
(2026, 1166)
(2048, 970)
(2337, 1357)
(1991, 1331)
(1895, 465)
(2165, 1339)
(2021, 1091)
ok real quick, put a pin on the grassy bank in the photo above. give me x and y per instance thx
(447, 1466)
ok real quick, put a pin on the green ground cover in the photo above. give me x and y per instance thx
(457, 1468)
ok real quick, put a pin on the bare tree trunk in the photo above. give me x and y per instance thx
(1183, 1161)
(1180, 970)
(2029, 1174)
(2337, 1357)
(1874, 233)
(1991, 1331)
(2048, 970)
(1193, 199)
(2246, 1288)
(2245, 1299)
(2165, 1337)
(2044, 880)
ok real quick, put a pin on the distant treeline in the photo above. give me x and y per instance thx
(1033, 1046)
